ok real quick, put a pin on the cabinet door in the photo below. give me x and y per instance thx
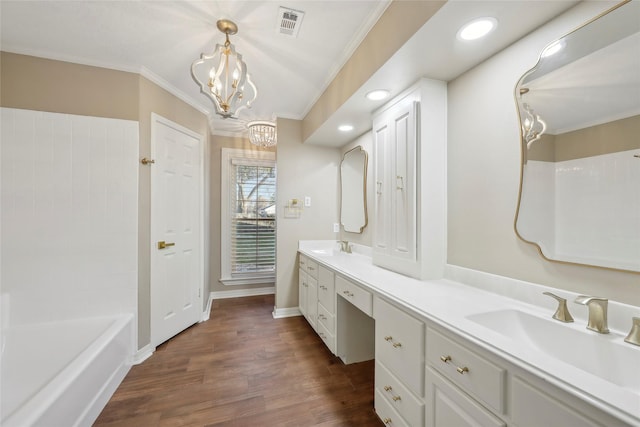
(302, 292)
(312, 301)
(448, 406)
(326, 289)
(403, 211)
(382, 218)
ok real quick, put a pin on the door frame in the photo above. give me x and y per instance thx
(156, 120)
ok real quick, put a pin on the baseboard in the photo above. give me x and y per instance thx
(207, 311)
(237, 293)
(143, 354)
(279, 313)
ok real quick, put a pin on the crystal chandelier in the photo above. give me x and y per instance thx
(222, 75)
(263, 134)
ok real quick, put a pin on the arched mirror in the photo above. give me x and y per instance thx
(579, 113)
(353, 183)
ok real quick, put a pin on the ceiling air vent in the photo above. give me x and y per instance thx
(289, 21)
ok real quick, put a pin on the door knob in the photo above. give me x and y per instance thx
(162, 244)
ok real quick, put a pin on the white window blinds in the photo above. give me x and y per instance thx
(252, 219)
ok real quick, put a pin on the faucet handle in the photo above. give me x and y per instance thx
(562, 312)
(634, 334)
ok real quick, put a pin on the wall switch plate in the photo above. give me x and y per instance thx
(336, 227)
(307, 201)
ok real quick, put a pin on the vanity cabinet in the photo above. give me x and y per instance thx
(409, 149)
(308, 290)
(399, 353)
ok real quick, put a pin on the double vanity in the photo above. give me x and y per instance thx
(470, 349)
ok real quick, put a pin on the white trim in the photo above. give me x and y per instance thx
(255, 280)
(143, 354)
(228, 154)
(154, 78)
(279, 313)
(206, 314)
(238, 293)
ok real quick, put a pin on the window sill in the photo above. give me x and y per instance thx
(234, 281)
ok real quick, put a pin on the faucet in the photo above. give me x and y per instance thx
(562, 312)
(345, 246)
(597, 312)
(634, 334)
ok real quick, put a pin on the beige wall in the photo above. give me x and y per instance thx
(64, 87)
(303, 170)
(484, 173)
(217, 144)
(366, 237)
(397, 24)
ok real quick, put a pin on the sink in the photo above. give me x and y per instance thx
(604, 355)
(325, 251)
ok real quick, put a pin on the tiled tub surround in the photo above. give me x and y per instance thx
(463, 293)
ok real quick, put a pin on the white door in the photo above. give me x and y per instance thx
(176, 229)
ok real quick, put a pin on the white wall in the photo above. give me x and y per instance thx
(69, 216)
(303, 170)
(484, 172)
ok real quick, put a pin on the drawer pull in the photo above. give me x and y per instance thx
(310, 268)
(462, 370)
(323, 287)
(388, 338)
(397, 345)
(347, 293)
(322, 335)
(445, 359)
(322, 316)
(387, 421)
(396, 398)
(388, 388)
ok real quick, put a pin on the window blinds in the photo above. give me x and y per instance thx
(252, 218)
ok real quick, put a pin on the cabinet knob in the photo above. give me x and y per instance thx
(462, 370)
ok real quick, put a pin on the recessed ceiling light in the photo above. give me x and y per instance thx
(378, 94)
(345, 128)
(477, 28)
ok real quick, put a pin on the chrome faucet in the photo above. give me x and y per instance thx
(562, 312)
(345, 246)
(597, 312)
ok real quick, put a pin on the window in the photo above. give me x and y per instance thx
(248, 217)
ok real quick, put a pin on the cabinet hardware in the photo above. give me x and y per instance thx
(401, 186)
(146, 161)
(379, 190)
(323, 287)
(396, 398)
(445, 359)
(322, 316)
(397, 345)
(388, 338)
(311, 268)
(347, 293)
(388, 388)
(462, 370)
(387, 421)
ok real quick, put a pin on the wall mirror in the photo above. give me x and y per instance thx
(580, 134)
(353, 184)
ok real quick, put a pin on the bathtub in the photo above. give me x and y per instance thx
(63, 373)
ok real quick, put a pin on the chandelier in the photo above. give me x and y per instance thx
(222, 75)
(263, 134)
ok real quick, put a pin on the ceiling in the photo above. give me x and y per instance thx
(162, 39)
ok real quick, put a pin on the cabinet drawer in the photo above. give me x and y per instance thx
(302, 263)
(326, 289)
(474, 374)
(448, 406)
(328, 338)
(387, 414)
(326, 319)
(399, 397)
(355, 295)
(312, 268)
(400, 344)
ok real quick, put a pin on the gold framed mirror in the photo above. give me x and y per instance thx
(579, 112)
(353, 184)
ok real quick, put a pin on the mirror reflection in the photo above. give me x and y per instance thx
(353, 180)
(579, 114)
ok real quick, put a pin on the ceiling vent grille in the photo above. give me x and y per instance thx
(289, 21)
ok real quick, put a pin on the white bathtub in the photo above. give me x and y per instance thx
(63, 373)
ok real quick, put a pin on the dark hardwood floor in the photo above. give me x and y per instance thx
(244, 368)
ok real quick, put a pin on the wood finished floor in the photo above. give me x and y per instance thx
(244, 368)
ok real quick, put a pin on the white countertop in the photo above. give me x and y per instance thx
(449, 303)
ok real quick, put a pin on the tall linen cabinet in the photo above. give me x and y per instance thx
(409, 148)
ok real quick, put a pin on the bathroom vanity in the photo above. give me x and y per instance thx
(458, 351)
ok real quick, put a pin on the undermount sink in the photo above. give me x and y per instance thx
(604, 355)
(325, 251)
